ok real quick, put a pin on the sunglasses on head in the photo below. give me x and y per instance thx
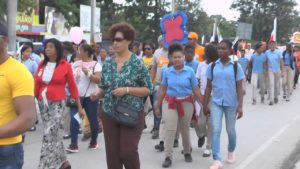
(117, 39)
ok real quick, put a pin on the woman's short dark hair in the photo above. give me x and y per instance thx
(24, 48)
(88, 48)
(68, 46)
(189, 46)
(149, 44)
(125, 28)
(176, 47)
(211, 53)
(59, 51)
(228, 43)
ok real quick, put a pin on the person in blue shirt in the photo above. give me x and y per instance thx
(288, 59)
(225, 87)
(179, 85)
(258, 65)
(35, 57)
(26, 59)
(189, 52)
(274, 67)
(243, 61)
(31, 66)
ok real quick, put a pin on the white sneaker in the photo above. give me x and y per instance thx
(206, 153)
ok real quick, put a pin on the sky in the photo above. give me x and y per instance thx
(223, 8)
(220, 7)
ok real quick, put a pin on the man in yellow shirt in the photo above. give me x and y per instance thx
(16, 105)
(199, 50)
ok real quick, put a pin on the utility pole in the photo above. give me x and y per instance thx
(93, 8)
(173, 6)
(11, 23)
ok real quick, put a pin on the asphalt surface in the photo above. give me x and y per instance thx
(267, 138)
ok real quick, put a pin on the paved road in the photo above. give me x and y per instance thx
(267, 135)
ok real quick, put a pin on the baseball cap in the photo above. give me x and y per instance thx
(3, 29)
(193, 35)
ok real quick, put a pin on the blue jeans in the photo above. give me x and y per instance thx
(216, 126)
(11, 156)
(74, 126)
(90, 108)
(156, 119)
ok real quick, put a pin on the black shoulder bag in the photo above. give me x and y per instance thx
(123, 113)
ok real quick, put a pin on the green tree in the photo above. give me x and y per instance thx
(261, 14)
(23, 6)
(227, 28)
(145, 17)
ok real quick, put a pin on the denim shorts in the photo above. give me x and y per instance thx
(11, 156)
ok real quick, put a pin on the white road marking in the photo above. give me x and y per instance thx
(253, 156)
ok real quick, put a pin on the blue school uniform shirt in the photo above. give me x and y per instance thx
(193, 64)
(273, 58)
(258, 61)
(179, 84)
(224, 91)
(31, 66)
(244, 63)
(287, 60)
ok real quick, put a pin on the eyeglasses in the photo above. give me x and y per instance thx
(117, 39)
(147, 49)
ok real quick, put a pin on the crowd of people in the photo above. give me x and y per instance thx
(185, 85)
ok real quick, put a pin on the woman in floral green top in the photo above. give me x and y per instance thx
(126, 78)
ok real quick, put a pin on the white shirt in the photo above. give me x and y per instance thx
(249, 53)
(85, 86)
(201, 74)
(48, 72)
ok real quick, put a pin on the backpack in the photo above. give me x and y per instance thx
(235, 66)
(283, 54)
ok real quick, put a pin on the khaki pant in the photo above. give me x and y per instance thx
(172, 119)
(202, 128)
(274, 85)
(162, 128)
(255, 79)
(287, 84)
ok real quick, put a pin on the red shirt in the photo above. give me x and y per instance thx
(62, 75)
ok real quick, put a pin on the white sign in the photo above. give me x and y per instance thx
(85, 18)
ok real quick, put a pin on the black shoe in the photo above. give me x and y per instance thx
(176, 143)
(67, 136)
(253, 102)
(201, 141)
(271, 103)
(188, 158)
(33, 128)
(276, 100)
(262, 100)
(284, 96)
(167, 163)
(160, 147)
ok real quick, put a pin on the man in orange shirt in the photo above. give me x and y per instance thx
(16, 105)
(199, 50)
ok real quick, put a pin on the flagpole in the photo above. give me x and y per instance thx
(275, 29)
